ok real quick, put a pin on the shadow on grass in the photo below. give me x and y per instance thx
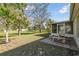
(36, 48)
(26, 33)
(15, 34)
(44, 35)
(2, 36)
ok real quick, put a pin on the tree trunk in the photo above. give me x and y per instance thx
(40, 30)
(7, 39)
(19, 32)
(19, 29)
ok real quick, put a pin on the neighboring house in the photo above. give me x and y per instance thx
(69, 28)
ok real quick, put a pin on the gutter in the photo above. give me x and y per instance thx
(72, 11)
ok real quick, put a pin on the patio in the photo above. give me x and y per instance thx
(72, 47)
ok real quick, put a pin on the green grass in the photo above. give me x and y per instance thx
(14, 34)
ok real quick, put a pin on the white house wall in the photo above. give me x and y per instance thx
(75, 23)
(75, 11)
(75, 32)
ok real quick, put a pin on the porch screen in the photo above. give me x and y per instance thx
(54, 28)
(61, 29)
(69, 28)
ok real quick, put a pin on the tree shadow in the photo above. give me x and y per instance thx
(26, 33)
(2, 36)
(44, 35)
(10, 35)
(15, 34)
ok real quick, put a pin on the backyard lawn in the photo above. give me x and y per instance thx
(30, 45)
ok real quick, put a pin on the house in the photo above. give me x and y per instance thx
(69, 28)
(74, 17)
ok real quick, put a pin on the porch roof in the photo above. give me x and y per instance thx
(62, 22)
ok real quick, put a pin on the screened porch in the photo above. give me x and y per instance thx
(63, 28)
(62, 32)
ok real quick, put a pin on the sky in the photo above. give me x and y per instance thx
(59, 11)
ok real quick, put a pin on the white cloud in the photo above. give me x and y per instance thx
(64, 9)
(29, 7)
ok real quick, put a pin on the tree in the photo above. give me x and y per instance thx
(7, 16)
(20, 21)
(20, 24)
(49, 25)
(38, 13)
